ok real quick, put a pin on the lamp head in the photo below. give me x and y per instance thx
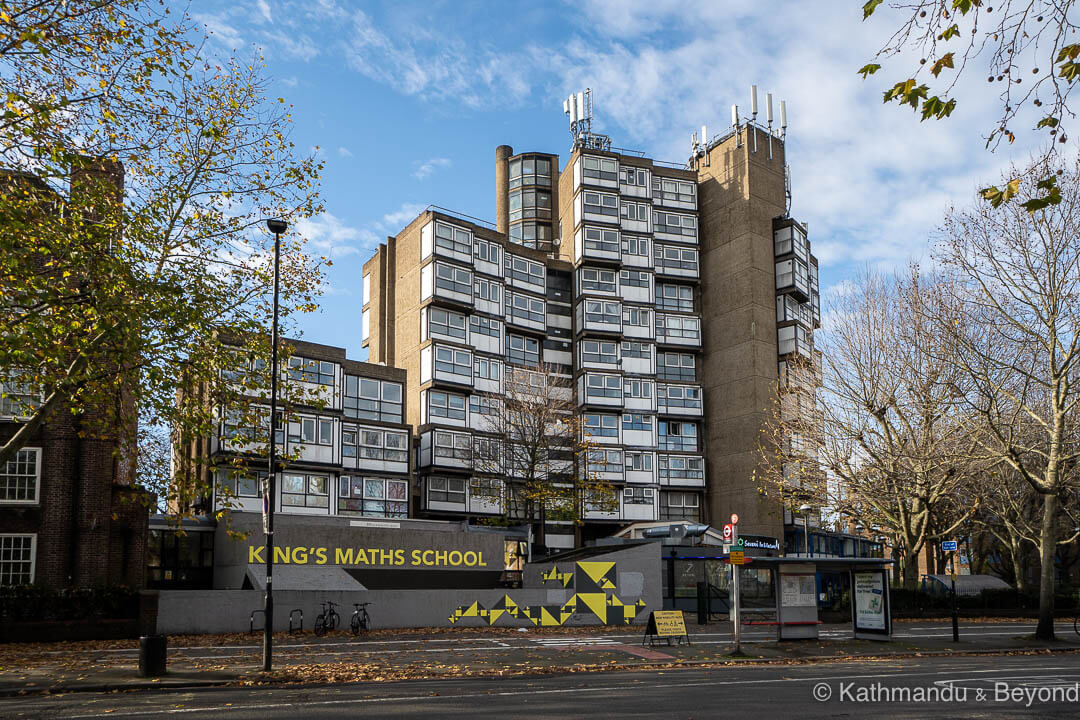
(276, 225)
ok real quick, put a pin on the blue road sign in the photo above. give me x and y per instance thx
(948, 546)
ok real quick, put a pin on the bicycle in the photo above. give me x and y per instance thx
(360, 618)
(326, 620)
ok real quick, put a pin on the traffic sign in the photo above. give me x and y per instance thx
(737, 557)
(948, 546)
(734, 519)
(729, 532)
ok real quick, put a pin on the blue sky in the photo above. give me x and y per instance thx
(407, 102)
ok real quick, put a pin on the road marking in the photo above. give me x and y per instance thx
(515, 693)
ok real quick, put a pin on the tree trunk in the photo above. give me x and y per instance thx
(911, 570)
(1016, 553)
(1047, 546)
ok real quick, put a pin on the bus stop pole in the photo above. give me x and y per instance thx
(735, 598)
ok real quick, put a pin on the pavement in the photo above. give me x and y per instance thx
(914, 687)
(387, 656)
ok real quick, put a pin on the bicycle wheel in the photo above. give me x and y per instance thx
(365, 621)
(1076, 625)
(320, 625)
(332, 621)
(354, 624)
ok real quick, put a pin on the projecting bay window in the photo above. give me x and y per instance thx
(635, 215)
(681, 469)
(519, 271)
(601, 242)
(639, 462)
(638, 496)
(312, 431)
(372, 497)
(530, 171)
(635, 278)
(596, 280)
(635, 247)
(239, 484)
(368, 399)
(678, 329)
(445, 405)
(791, 239)
(528, 311)
(318, 372)
(445, 323)
(20, 478)
(679, 399)
(603, 389)
(676, 366)
(485, 251)
(635, 177)
(599, 170)
(670, 260)
(601, 427)
(794, 339)
(453, 365)
(522, 350)
(636, 350)
(793, 276)
(679, 298)
(788, 309)
(675, 505)
(446, 490)
(602, 315)
(454, 239)
(529, 205)
(453, 448)
(598, 352)
(675, 226)
(300, 490)
(605, 463)
(600, 206)
(676, 193)
(372, 444)
(453, 281)
(678, 435)
(536, 235)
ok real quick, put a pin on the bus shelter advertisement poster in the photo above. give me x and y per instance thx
(870, 601)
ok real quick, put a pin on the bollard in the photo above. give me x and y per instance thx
(703, 603)
(152, 655)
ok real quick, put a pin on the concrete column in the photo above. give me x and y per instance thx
(502, 187)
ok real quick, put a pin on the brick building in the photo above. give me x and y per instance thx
(70, 514)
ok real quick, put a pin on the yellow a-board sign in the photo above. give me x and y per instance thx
(666, 624)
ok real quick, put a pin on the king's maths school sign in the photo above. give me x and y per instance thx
(376, 557)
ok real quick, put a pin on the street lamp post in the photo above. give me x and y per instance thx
(277, 227)
(804, 510)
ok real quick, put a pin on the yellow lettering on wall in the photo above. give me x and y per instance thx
(470, 558)
(299, 555)
(416, 557)
(440, 557)
(455, 558)
(281, 555)
(399, 557)
(343, 557)
(481, 562)
(386, 557)
(320, 556)
(428, 553)
(255, 554)
(361, 557)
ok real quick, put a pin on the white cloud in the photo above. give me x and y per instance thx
(344, 152)
(394, 221)
(289, 81)
(428, 167)
(329, 236)
(264, 11)
(221, 30)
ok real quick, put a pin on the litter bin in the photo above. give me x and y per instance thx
(152, 655)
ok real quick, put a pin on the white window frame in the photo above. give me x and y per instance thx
(33, 557)
(37, 477)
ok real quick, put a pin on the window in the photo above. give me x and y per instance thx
(305, 490)
(488, 290)
(446, 322)
(523, 270)
(675, 297)
(638, 462)
(634, 176)
(634, 278)
(679, 505)
(485, 326)
(602, 204)
(312, 431)
(638, 317)
(604, 386)
(446, 489)
(599, 168)
(446, 405)
(484, 405)
(675, 366)
(488, 369)
(240, 427)
(525, 308)
(685, 396)
(487, 251)
(312, 371)
(372, 399)
(681, 436)
(676, 258)
(531, 234)
(790, 239)
(20, 479)
(636, 350)
(635, 246)
(529, 204)
(241, 484)
(601, 240)
(637, 496)
(522, 350)
(678, 191)
(638, 388)
(681, 467)
(597, 425)
(366, 292)
(600, 311)
(636, 421)
(455, 362)
(677, 326)
(18, 396)
(17, 559)
(453, 446)
(453, 279)
(605, 461)
(453, 238)
(530, 171)
(598, 280)
(595, 351)
(673, 224)
(373, 496)
(487, 453)
(636, 211)
(374, 444)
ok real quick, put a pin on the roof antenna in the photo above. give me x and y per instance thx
(735, 123)
(769, 119)
(753, 113)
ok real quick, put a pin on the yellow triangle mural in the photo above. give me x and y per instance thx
(597, 603)
(596, 572)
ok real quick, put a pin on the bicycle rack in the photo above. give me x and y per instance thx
(300, 626)
(251, 620)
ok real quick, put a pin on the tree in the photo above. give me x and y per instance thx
(535, 460)
(140, 174)
(1026, 47)
(872, 434)
(1016, 334)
